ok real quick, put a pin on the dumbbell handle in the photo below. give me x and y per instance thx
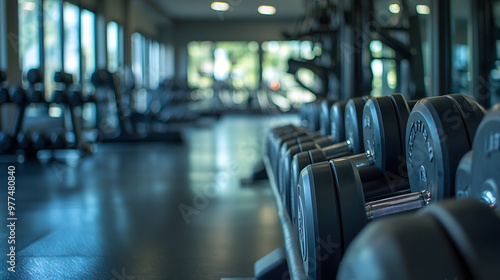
(338, 150)
(397, 204)
(362, 160)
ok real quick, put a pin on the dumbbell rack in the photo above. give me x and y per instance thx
(292, 246)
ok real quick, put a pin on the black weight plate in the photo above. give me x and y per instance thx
(63, 77)
(351, 198)
(40, 141)
(285, 167)
(75, 98)
(463, 177)
(381, 133)
(308, 137)
(325, 117)
(299, 162)
(17, 95)
(292, 136)
(434, 147)
(58, 140)
(472, 113)
(403, 109)
(274, 134)
(36, 96)
(403, 247)
(314, 120)
(337, 121)
(276, 146)
(284, 164)
(34, 76)
(353, 124)
(24, 141)
(475, 230)
(486, 160)
(59, 96)
(318, 220)
(284, 179)
(279, 132)
(286, 160)
(278, 165)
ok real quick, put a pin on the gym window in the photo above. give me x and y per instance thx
(137, 58)
(275, 76)
(72, 41)
(29, 39)
(235, 64)
(52, 39)
(88, 48)
(154, 64)
(113, 45)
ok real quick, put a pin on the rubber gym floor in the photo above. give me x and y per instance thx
(148, 210)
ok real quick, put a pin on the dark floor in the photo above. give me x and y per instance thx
(147, 211)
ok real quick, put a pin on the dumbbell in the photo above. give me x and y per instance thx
(354, 133)
(31, 143)
(325, 117)
(58, 140)
(333, 197)
(24, 141)
(337, 112)
(309, 113)
(382, 120)
(99, 78)
(337, 122)
(303, 140)
(17, 95)
(354, 111)
(40, 141)
(75, 98)
(301, 160)
(478, 175)
(278, 141)
(35, 77)
(275, 136)
(63, 77)
(22, 97)
(454, 239)
(59, 97)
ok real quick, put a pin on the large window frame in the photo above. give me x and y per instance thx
(62, 52)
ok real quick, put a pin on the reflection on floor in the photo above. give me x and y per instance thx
(147, 211)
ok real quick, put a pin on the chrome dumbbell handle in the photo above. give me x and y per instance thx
(397, 204)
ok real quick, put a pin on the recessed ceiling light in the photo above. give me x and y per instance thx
(423, 9)
(394, 8)
(267, 10)
(219, 6)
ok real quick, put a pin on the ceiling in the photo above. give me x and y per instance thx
(190, 10)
